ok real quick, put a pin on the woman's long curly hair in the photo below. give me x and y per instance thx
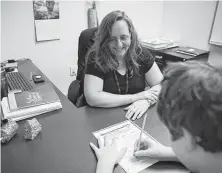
(100, 53)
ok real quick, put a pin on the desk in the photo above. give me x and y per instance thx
(63, 144)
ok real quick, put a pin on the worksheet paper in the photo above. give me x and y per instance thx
(126, 134)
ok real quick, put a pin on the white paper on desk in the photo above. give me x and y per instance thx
(126, 134)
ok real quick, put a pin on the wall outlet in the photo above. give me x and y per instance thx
(73, 70)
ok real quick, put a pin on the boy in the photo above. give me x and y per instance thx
(190, 105)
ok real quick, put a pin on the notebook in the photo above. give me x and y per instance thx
(41, 95)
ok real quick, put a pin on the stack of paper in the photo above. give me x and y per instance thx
(159, 43)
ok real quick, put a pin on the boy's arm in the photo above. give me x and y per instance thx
(169, 155)
(104, 167)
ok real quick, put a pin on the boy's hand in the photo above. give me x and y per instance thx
(107, 152)
(137, 109)
(155, 150)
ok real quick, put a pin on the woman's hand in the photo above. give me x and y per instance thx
(151, 95)
(107, 151)
(137, 109)
(150, 148)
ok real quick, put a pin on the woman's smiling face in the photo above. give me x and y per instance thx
(120, 39)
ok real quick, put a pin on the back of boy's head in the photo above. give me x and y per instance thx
(191, 98)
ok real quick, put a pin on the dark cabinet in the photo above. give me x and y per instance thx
(162, 57)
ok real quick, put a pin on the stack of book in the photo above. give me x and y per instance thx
(21, 105)
(159, 43)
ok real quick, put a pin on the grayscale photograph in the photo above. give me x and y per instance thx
(46, 9)
(111, 86)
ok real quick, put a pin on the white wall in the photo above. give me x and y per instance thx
(145, 15)
(52, 57)
(190, 22)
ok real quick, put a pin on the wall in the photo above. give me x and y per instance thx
(145, 15)
(191, 22)
(52, 57)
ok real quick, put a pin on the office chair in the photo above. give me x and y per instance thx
(76, 88)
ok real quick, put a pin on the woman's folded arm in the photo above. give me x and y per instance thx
(96, 97)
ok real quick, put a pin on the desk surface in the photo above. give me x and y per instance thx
(63, 144)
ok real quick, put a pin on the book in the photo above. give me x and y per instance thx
(41, 95)
(29, 112)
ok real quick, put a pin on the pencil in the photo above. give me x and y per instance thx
(30, 75)
(142, 129)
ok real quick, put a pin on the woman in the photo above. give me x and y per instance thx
(118, 67)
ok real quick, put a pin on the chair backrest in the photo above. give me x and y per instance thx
(75, 90)
(86, 40)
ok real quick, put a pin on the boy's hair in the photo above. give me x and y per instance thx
(191, 98)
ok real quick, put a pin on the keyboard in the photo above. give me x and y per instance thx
(17, 81)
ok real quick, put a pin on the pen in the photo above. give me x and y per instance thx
(142, 129)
